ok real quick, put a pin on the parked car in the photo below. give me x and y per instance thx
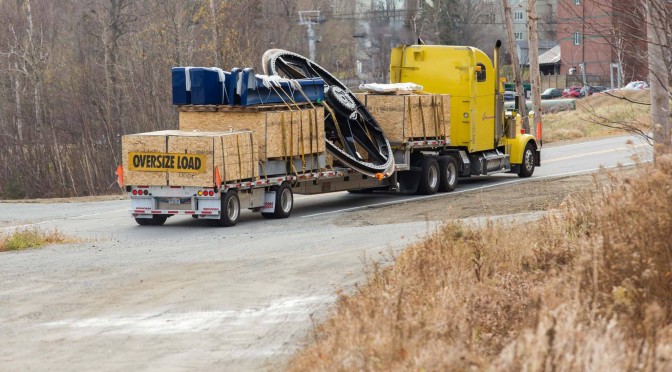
(636, 85)
(551, 93)
(509, 95)
(589, 90)
(572, 92)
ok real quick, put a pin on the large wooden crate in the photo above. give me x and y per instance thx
(154, 142)
(410, 116)
(279, 133)
(192, 157)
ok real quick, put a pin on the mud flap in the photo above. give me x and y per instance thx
(269, 202)
(409, 181)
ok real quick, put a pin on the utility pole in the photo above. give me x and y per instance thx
(308, 18)
(535, 76)
(659, 76)
(518, 79)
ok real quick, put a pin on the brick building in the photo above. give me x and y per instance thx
(602, 37)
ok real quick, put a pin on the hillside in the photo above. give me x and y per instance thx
(585, 288)
(600, 115)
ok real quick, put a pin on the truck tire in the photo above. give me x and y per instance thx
(230, 211)
(527, 166)
(448, 171)
(156, 220)
(429, 176)
(284, 202)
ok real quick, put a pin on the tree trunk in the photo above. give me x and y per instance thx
(518, 79)
(36, 69)
(658, 78)
(215, 32)
(17, 102)
(535, 78)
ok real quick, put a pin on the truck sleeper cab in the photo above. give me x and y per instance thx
(483, 138)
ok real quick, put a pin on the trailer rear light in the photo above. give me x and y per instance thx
(211, 193)
(135, 192)
(522, 131)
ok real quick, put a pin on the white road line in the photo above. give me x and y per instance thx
(632, 138)
(470, 190)
(60, 219)
(594, 153)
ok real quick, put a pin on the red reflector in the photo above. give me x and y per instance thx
(172, 212)
(143, 187)
(522, 131)
(175, 187)
(189, 212)
(206, 212)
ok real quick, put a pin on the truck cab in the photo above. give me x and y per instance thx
(486, 138)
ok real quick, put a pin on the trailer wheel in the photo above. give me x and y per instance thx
(156, 220)
(448, 170)
(230, 212)
(284, 202)
(527, 167)
(429, 176)
(159, 219)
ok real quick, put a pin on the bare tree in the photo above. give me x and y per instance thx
(658, 34)
(518, 79)
(535, 78)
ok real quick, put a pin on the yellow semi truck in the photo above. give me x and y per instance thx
(484, 139)
(227, 158)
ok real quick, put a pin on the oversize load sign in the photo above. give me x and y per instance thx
(158, 162)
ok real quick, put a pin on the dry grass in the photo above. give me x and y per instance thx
(31, 238)
(599, 115)
(587, 288)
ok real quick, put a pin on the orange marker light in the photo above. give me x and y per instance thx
(380, 176)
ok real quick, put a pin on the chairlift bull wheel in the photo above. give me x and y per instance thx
(355, 132)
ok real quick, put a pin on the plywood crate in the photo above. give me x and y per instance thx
(232, 153)
(279, 133)
(153, 142)
(410, 116)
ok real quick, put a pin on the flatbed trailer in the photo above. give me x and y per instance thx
(273, 196)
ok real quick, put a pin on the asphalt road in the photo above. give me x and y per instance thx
(187, 296)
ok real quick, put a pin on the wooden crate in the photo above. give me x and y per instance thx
(232, 153)
(279, 133)
(411, 116)
(153, 142)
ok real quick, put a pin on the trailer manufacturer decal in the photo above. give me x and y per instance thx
(159, 162)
